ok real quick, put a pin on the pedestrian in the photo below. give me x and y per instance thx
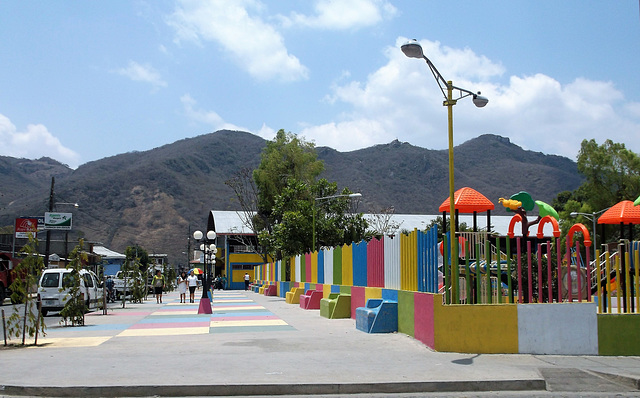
(192, 282)
(182, 286)
(247, 279)
(109, 285)
(158, 284)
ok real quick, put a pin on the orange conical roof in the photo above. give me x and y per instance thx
(624, 212)
(468, 200)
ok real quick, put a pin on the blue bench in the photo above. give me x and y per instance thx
(379, 316)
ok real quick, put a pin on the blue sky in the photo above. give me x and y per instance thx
(80, 81)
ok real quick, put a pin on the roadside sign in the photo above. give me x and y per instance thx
(61, 221)
(26, 225)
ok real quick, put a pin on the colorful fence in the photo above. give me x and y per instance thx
(407, 262)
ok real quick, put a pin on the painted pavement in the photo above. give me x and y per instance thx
(232, 312)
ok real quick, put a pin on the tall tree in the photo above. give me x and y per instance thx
(286, 156)
(612, 174)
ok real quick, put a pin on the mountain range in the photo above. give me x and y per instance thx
(155, 198)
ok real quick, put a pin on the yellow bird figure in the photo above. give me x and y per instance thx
(510, 203)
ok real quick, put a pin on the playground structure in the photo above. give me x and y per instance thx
(523, 294)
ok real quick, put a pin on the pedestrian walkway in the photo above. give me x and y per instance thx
(255, 344)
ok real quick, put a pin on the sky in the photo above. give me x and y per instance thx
(80, 80)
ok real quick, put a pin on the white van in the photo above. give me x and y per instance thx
(54, 284)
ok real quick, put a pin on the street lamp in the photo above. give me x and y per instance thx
(350, 195)
(208, 247)
(413, 49)
(593, 217)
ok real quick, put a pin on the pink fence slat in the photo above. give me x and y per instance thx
(559, 256)
(307, 267)
(375, 263)
(579, 276)
(569, 289)
(529, 272)
(519, 251)
(589, 274)
(549, 277)
(540, 277)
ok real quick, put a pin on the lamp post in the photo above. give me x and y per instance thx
(350, 195)
(593, 217)
(413, 49)
(208, 247)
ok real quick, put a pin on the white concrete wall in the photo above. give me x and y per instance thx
(561, 329)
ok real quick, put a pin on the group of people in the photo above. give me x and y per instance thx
(185, 281)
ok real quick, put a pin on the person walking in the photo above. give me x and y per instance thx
(182, 286)
(247, 279)
(158, 285)
(192, 282)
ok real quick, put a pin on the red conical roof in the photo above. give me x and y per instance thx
(468, 200)
(624, 212)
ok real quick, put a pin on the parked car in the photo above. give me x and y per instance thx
(54, 285)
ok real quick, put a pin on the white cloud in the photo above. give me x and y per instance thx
(142, 73)
(342, 14)
(253, 44)
(209, 118)
(34, 142)
(402, 100)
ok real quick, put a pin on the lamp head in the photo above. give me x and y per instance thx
(412, 49)
(197, 235)
(479, 100)
(211, 235)
(355, 195)
(573, 214)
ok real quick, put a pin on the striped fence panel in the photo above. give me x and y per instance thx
(375, 263)
(328, 265)
(392, 262)
(320, 266)
(359, 263)
(298, 269)
(347, 265)
(337, 265)
(307, 268)
(408, 262)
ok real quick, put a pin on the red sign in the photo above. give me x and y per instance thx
(26, 225)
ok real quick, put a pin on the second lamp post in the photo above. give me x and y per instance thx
(209, 250)
(413, 49)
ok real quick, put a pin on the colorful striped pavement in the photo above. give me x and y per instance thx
(232, 312)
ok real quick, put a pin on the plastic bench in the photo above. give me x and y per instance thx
(337, 305)
(311, 300)
(271, 290)
(293, 296)
(379, 316)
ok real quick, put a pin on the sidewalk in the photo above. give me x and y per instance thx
(253, 344)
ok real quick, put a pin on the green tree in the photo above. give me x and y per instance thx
(612, 174)
(293, 215)
(135, 273)
(286, 156)
(26, 277)
(75, 306)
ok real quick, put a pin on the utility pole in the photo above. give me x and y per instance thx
(189, 248)
(47, 246)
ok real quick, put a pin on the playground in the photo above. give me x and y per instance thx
(530, 291)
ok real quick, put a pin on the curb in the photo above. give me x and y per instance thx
(275, 389)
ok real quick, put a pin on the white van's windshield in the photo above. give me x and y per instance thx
(51, 280)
